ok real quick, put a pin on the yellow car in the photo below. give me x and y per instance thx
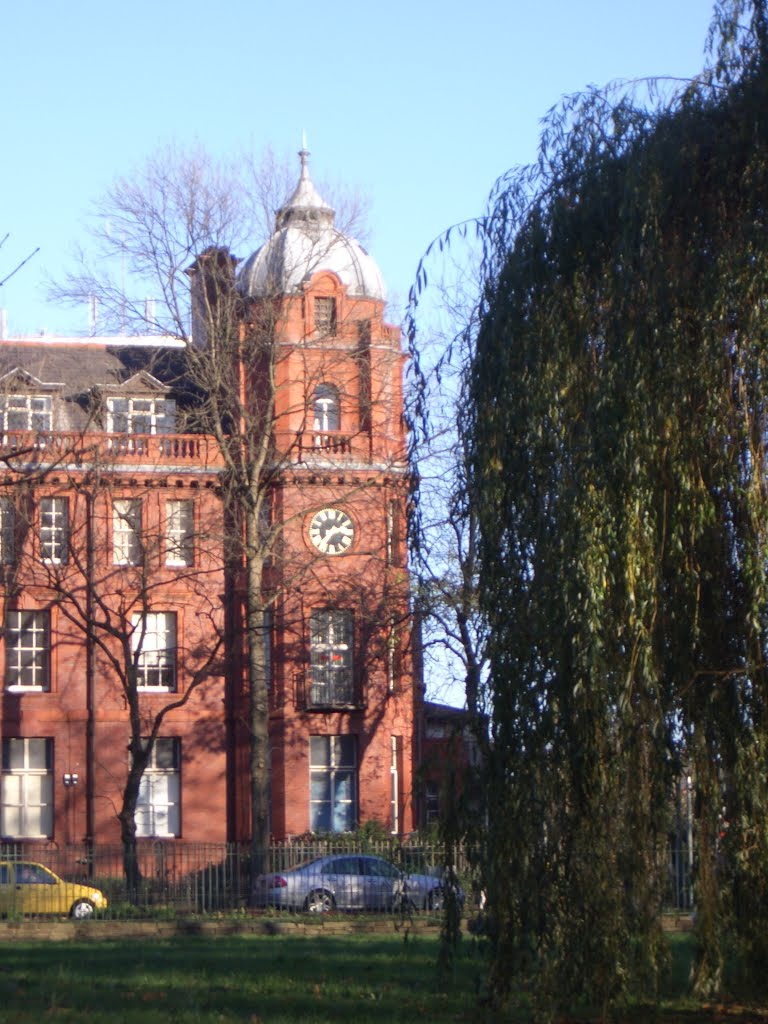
(29, 888)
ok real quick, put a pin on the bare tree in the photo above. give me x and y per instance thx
(82, 549)
(19, 265)
(173, 223)
(444, 533)
(444, 536)
(150, 226)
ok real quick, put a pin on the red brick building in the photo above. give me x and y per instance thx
(449, 750)
(112, 570)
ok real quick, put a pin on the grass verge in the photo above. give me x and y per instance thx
(297, 979)
(256, 979)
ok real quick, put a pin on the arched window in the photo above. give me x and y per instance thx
(326, 409)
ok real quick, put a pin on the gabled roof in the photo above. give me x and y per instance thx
(143, 381)
(19, 376)
(76, 367)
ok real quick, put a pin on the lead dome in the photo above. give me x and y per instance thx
(305, 242)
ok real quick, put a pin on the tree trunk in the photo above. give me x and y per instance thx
(127, 818)
(258, 700)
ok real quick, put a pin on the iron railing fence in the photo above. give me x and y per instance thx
(172, 877)
(176, 877)
(679, 895)
(198, 878)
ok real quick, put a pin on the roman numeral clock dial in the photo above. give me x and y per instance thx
(331, 531)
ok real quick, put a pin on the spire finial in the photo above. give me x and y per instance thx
(304, 205)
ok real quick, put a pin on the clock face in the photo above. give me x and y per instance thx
(331, 531)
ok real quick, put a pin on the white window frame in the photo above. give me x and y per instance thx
(26, 804)
(30, 413)
(395, 747)
(331, 656)
(392, 652)
(140, 415)
(27, 650)
(431, 803)
(54, 530)
(180, 532)
(393, 531)
(326, 409)
(126, 531)
(7, 531)
(153, 642)
(333, 783)
(158, 809)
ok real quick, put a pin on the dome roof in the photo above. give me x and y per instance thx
(305, 242)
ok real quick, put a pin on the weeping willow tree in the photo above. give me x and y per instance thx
(619, 404)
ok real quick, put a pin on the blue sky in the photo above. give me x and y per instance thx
(421, 105)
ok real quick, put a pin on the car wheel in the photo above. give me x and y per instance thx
(81, 910)
(319, 901)
(436, 900)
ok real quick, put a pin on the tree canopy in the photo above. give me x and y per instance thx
(617, 425)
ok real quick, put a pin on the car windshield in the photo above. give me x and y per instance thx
(309, 865)
(380, 868)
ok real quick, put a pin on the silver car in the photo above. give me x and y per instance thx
(347, 881)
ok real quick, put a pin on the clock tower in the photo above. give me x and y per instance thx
(343, 693)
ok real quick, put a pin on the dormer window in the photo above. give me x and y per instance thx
(25, 412)
(141, 415)
(325, 316)
(326, 409)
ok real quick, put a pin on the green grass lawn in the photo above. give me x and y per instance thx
(283, 979)
(256, 979)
